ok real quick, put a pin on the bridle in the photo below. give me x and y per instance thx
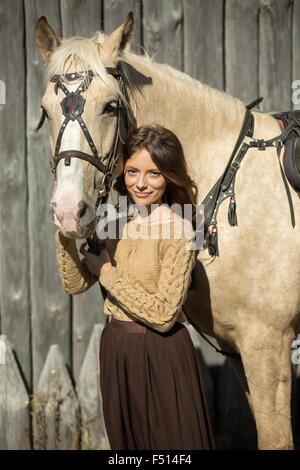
(72, 107)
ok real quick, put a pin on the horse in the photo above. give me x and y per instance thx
(248, 298)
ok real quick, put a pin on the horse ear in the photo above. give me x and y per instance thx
(46, 39)
(118, 41)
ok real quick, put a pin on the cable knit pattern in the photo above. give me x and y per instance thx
(162, 309)
(149, 277)
(75, 276)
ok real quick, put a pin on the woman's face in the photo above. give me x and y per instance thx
(143, 180)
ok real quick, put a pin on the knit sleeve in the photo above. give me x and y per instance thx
(75, 276)
(159, 310)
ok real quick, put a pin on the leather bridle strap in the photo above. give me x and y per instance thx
(72, 107)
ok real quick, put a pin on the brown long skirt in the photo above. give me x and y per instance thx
(152, 389)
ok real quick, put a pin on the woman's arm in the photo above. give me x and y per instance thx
(159, 310)
(74, 274)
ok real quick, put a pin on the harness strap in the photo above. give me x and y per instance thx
(212, 197)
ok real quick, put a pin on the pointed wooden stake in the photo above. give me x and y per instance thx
(14, 402)
(93, 427)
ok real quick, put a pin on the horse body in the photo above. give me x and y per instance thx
(248, 298)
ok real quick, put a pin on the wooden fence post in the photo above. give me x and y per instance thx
(89, 394)
(14, 400)
(55, 409)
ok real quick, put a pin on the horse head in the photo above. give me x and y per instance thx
(84, 103)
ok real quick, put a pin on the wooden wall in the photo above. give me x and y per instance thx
(245, 47)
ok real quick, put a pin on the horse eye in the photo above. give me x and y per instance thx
(110, 108)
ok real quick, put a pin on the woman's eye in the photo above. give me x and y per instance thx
(110, 108)
(154, 173)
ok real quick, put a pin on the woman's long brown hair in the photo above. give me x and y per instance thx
(167, 153)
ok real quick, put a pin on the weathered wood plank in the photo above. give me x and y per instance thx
(203, 41)
(50, 304)
(55, 409)
(93, 432)
(241, 42)
(163, 31)
(295, 51)
(14, 402)
(14, 288)
(115, 12)
(275, 54)
(81, 17)
(87, 308)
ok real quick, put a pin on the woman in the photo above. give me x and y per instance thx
(151, 383)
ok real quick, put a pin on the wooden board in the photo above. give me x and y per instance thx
(203, 41)
(93, 431)
(56, 416)
(14, 290)
(275, 55)
(50, 315)
(163, 31)
(14, 402)
(81, 17)
(241, 42)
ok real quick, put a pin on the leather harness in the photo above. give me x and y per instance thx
(224, 187)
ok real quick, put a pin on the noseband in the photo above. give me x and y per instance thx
(72, 107)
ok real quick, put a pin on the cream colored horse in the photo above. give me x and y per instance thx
(248, 298)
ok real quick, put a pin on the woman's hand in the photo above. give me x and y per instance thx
(96, 264)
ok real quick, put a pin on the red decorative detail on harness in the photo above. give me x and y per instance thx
(72, 103)
(281, 123)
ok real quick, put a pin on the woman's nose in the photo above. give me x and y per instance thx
(142, 182)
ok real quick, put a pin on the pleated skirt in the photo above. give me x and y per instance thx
(152, 389)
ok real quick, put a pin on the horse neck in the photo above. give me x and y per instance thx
(202, 117)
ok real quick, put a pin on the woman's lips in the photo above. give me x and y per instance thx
(141, 194)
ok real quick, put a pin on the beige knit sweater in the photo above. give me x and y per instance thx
(150, 273)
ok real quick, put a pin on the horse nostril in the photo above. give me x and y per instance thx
(82, 209)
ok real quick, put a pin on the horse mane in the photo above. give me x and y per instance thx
(83, 54)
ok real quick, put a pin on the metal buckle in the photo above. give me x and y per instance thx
(235, 165)
(261, 144)
(278, 143)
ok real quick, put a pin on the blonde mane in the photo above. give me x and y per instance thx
(83, 54)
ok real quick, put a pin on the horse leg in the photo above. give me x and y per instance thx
(267, 362)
